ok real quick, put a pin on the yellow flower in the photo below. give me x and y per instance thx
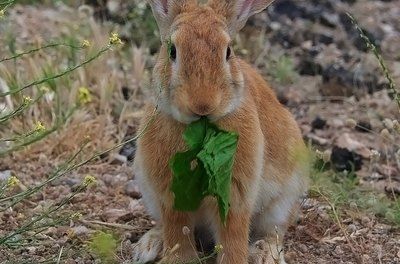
(44, 89)
(84, 95)
(27, 100)
(12, 181)
(115, 40)
(76, 216)
(89, 180)
(86, 43)
(218, 248)
(2, 13)
(39, 127)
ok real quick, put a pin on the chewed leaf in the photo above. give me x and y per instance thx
(212, 151)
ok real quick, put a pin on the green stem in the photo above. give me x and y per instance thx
(69, 70)
(372, 47)
(40, 48)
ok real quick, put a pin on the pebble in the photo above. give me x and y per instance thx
(5, 175)
(303, 248)
(132, 190)
(345, 160)
(352, 228)
(80, 230)
(339, 250)
(365, 220)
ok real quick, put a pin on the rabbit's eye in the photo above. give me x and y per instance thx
(228, 53)
(172, 52)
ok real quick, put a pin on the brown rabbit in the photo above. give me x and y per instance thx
(198, 75)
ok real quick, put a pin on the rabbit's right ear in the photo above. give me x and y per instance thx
(166, 10)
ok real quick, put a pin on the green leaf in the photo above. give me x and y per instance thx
(205, 169)
(187, 185)
(217, 157)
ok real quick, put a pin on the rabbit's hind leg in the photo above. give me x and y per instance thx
(272, 219)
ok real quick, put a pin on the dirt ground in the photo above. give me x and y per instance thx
(330, 82)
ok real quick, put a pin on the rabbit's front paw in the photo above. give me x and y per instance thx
(149, 247)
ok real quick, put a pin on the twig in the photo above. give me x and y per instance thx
(59, 255)
(114, 225)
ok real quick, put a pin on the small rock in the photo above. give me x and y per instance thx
(80, 230)
(31, 250)
(346, 141)
(365, 221)
(303, 248)
(135, 206)
(342, 159)
(132, 189)
(339, 251)
(309, 67)
(128, 150)
(72, 182)
(5, 175)
(318, 123)
(352, 228)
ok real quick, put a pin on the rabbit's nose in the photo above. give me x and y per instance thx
(202, 109)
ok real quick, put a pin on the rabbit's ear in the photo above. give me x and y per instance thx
(166, 10)
(237, 12)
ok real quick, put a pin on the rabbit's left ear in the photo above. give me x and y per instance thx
(237, 12)
(166, 10)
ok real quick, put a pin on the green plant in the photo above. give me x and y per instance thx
(283, 70)
(103, 245)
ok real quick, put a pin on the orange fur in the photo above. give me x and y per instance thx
(267, 173)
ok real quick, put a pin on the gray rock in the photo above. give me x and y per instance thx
(132, 189)
(5, 175)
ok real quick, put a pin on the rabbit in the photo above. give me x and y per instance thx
(197, 75)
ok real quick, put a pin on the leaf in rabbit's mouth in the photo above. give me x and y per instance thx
(205, 169)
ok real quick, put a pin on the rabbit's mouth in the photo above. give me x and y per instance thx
(188, 117)
(182, 117)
